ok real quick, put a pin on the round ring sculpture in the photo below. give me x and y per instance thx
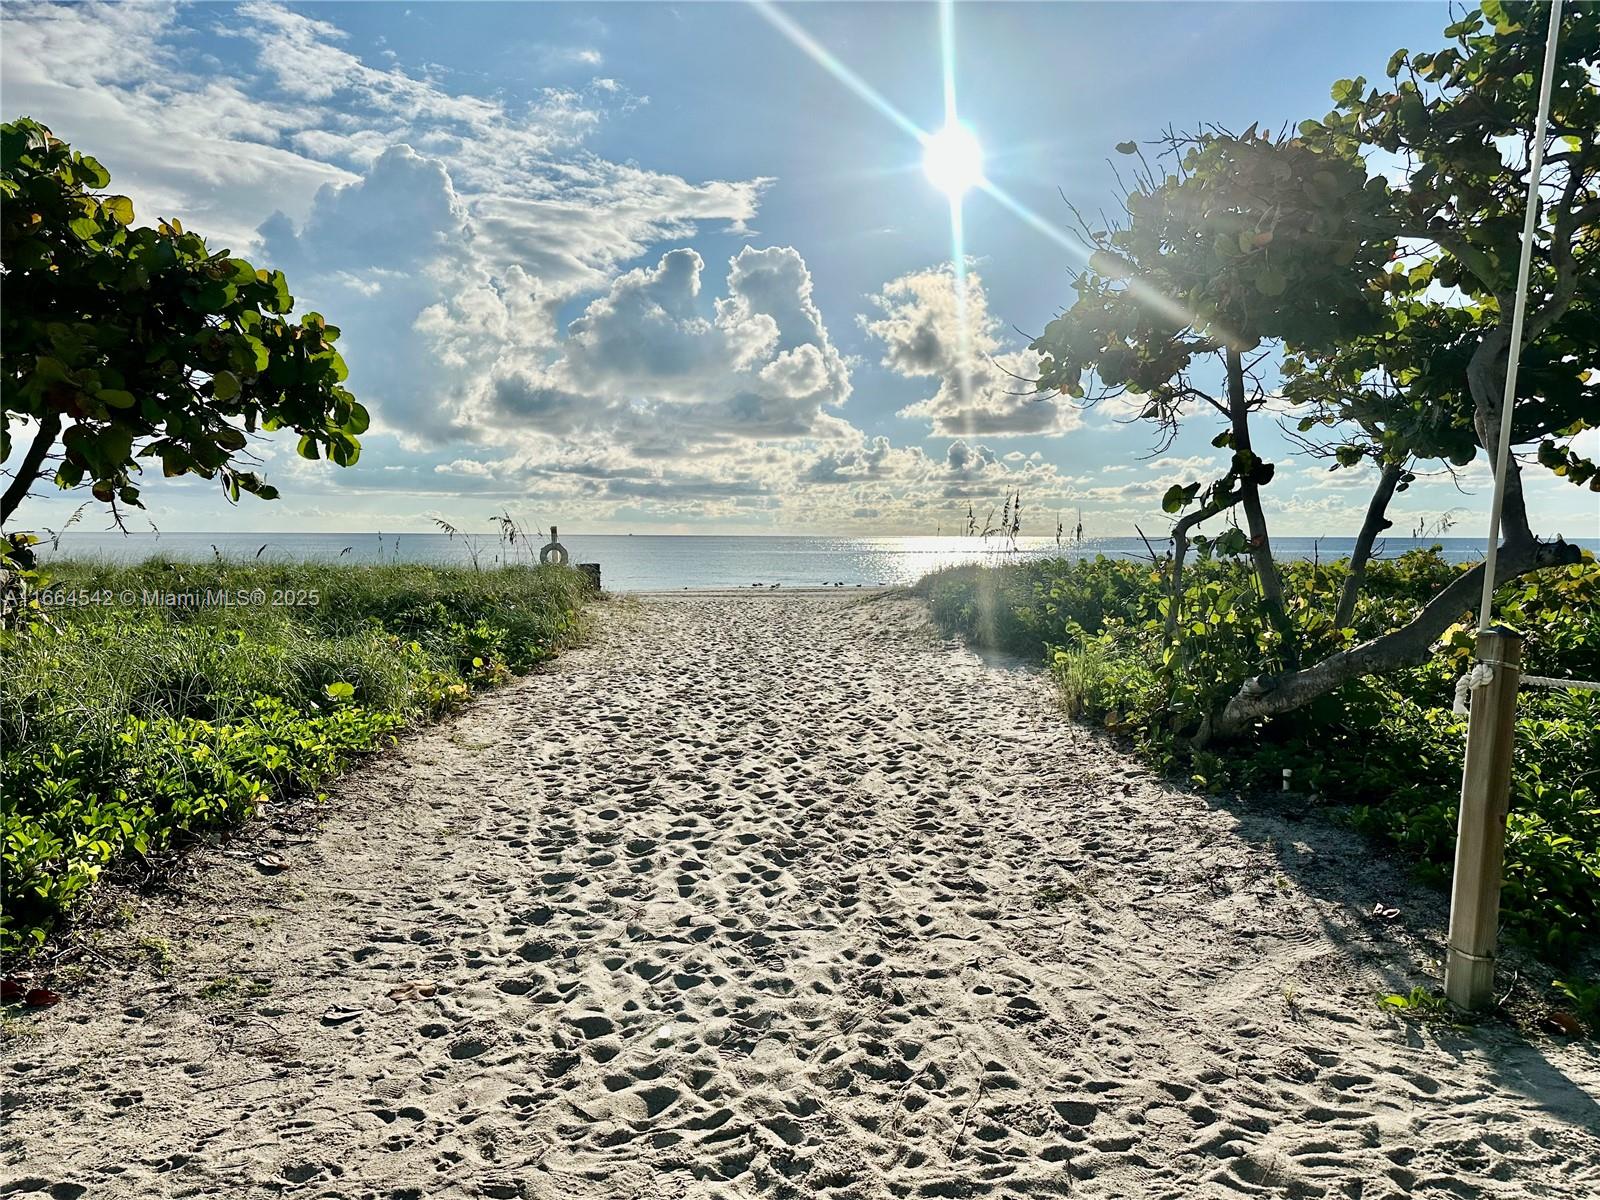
(555, 552)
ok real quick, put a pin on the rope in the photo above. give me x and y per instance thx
(1480, 674)
(1544, 681)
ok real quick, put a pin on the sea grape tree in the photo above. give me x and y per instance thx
(121, 345)
(1381, 301)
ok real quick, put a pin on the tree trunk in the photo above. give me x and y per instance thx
(1250, 496)
(1403, 647)
(1486, 380)
(1376, 522)
(28, 469)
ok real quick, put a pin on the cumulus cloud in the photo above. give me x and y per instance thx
(403, 213)
(934, 325)
(652, 367)
(394, 202)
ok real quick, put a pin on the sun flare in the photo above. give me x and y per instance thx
(952, 159)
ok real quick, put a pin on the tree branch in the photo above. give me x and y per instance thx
(1180, 549)
(1404, 647)
(28, 469)
(1375, 523)
(1266, 568)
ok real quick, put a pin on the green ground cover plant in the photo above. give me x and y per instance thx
(1385, 749)
(129, 722)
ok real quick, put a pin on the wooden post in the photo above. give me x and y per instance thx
(1481, 831)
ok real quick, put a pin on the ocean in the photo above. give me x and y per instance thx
(650, 562)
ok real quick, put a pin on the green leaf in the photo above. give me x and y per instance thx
(1178, 496)
(225, 386)
(359, 420)
(213, 298)
(344, 450)
(115, 398)
(1127, 147)
(118, 208)
(114, 444)
(340, 691)
(1231, 542)
(1112, 266)
(92, 173)
(1271, 282)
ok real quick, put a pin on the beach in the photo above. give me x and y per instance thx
(784, 895)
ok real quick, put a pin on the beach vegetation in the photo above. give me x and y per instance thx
(144, 704)
(1423, 1005)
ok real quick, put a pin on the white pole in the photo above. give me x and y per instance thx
(1518, 312)
(1491, 728)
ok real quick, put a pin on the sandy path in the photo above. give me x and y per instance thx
(785, 897)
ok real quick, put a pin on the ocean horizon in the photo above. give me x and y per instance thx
(677, 562)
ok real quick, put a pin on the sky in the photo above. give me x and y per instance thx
(652, 268)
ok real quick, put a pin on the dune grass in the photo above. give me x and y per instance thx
(142, 703)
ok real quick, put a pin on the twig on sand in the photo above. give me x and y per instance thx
(966, 1116)
(1516, 978)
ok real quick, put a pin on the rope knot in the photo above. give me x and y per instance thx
(1480, 674)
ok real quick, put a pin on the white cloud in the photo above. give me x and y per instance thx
(651, 367)
(933, 326)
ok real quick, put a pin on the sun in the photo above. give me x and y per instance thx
(952, 159)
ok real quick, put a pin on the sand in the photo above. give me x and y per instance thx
(784, 896)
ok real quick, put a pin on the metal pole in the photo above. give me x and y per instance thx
(1519, 311)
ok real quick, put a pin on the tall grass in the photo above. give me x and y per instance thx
(131, 714)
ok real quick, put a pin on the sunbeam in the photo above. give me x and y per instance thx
(954, 164)
(815, 51)
(947, 46)
(1146, 294)
(1143, 292)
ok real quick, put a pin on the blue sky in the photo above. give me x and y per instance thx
(651, 268)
